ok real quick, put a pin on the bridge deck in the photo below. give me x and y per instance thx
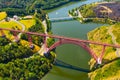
(62, 18)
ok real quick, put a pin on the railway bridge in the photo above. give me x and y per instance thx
(62, 19)
(63, 40)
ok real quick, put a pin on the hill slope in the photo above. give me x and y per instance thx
(110, 68)
(23, 7)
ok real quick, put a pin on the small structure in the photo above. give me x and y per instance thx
(15, 17)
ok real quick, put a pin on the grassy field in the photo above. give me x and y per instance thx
(116, 32)
(26, 43)
(110, 71)
(101, 35)
(28, 23)
(12, 24)
(2, 15)
(9, 24)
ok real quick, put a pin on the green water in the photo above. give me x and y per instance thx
(69, 53)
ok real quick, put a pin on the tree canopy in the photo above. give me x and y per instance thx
(18, 62)
(24, 7)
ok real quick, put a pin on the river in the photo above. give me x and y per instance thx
(69, 53)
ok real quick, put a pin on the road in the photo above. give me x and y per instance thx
(44, 47)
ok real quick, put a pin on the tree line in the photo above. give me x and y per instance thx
(24, 7)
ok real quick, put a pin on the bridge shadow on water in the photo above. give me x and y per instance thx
(69, 66)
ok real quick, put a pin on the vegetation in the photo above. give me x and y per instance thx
(116, 32)
(28, 23)
(89, 15)
(38, 27)
(25, 7)
(25, 69)
(18, 62)
(87, 10)
(110, 67)
(9, 24)
(48, 25)
(2, 15)
(108, 72)
(101, 35)
(13, 51)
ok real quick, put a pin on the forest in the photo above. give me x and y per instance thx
(24, 7)
(18, 62)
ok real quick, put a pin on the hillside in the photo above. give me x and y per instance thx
(99, 12)
(110, 68)
(24, 7)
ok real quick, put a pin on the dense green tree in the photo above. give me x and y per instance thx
(4, 41)
(27, 69)
(12, 51)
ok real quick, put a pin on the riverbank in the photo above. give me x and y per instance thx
(109, 69)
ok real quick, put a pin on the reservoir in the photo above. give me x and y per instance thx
(69, 53)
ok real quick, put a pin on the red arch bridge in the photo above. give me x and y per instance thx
(63, 40)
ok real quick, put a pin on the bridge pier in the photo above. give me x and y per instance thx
(99, 61)
(30, 42)
(16, 39)
(46, 55)
(62, 40)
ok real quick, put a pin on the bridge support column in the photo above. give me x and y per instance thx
(99, 60)
(45, 44)
(16, 39)
(30, 41)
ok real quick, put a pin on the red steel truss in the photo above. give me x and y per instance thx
(65, 40)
